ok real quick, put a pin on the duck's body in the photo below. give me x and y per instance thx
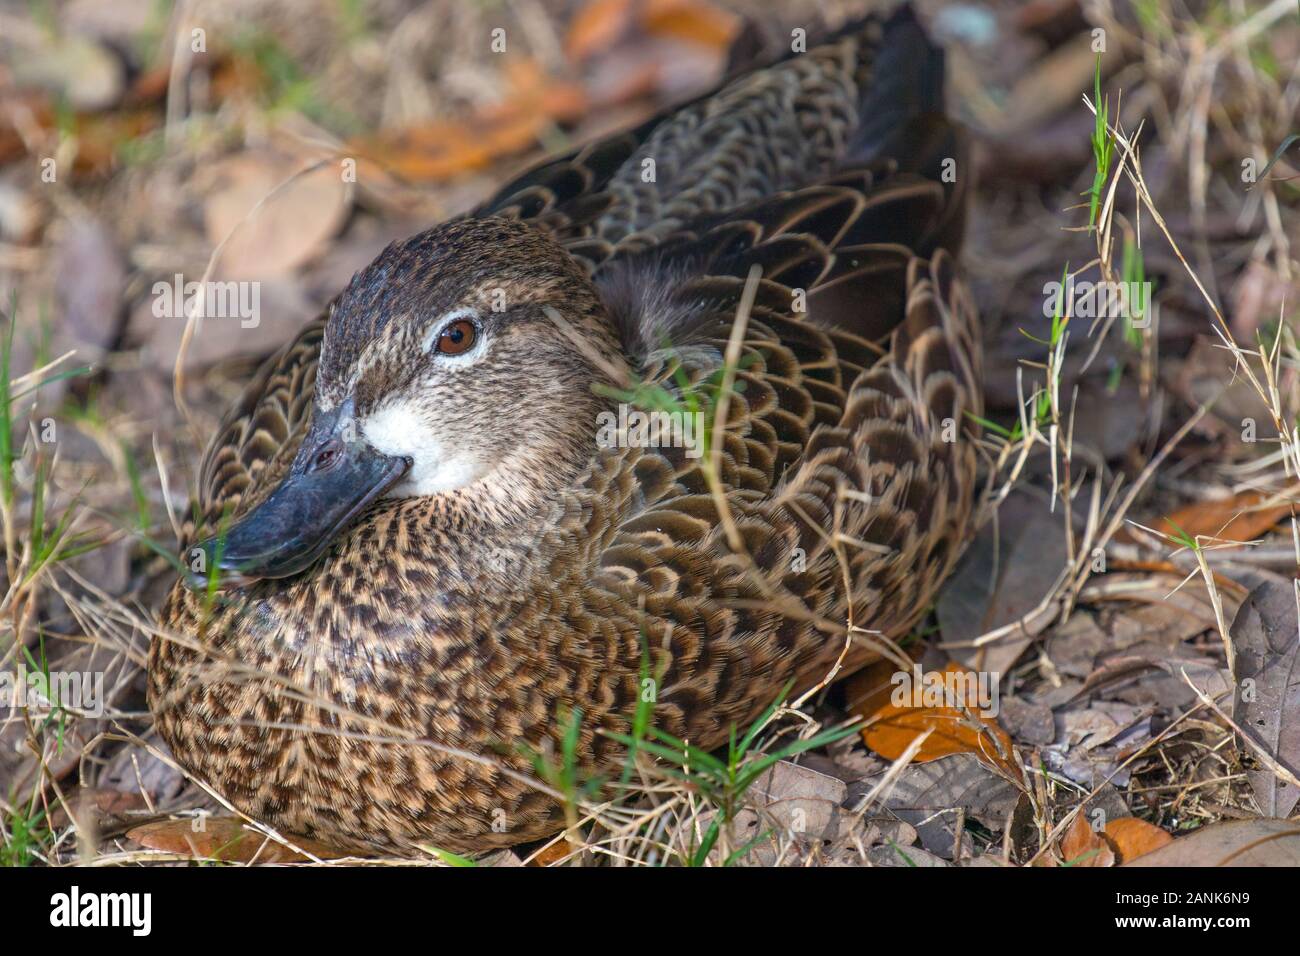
(513, 568)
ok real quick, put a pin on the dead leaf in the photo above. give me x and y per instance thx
(554, 853)
(1029, 721)
(101, 136)
(300, 213)
(77, 70)
(283, 309)
(884, 830)
(507, 858)
(891, 729)
(97, 136)
(1264, 842)
(1205, 372)
(1257, 296)
(443, 150)
(1050, 85)
(596, 27)
(868, 690)
(603, 24)
(1233, 519)
(1132, 837)
(21, 214)
(1266, 706)
(801, 800)
(101, 809)
(1110, 420)
(1148, 676)
(89, 287)
(929, 796)
(227, 839)
(1083, 846)
(891, 854)
(134, 768)
(1137, 652)
(692, 21)
(1096, 740)
(1001, 579)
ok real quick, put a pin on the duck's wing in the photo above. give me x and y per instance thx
(843, 243)
(260, 434)
(848, 452)
(854, 288)
(776, 128)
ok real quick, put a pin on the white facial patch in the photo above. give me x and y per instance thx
(397, 428)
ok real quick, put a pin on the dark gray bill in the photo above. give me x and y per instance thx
(330, 482)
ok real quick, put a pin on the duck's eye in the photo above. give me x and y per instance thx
(457, 338)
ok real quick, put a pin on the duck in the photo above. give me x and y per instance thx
(699, 400)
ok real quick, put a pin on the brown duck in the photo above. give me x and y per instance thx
(430, 528)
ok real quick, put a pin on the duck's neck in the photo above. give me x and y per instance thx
(523, 492)
(554, 441)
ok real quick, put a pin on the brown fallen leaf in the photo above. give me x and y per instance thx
(507, 858)
(692, 21)
(910, 857)
(299, 213)
(1132, 837)
(100, 807)
(550, 855)
(1003, 577)
(1084, 846)
(1049, 86)
(803, 802)
(446, 149)
(596, 27)
(1267, 698)
(1259, 293)
(1262, 842)
(227, 839)
(891, 729)
(1208, 374)
(601, 24)
(77, 70)
(931, 797)
(98, 137)
(1233, 519)
(90, 280)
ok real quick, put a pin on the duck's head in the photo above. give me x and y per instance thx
(459, 363)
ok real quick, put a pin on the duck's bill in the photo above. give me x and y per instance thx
(293, 527)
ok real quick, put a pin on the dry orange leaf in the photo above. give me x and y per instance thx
(1084, 846)
(554, 853)
(99, 136)
(602, 24)
(596, 27)
(1132, 837)
(226, 839)
(1230, 518)
(1258, 842)
(691, 21)
(532, 91)
(443, 150)
(891, 729)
